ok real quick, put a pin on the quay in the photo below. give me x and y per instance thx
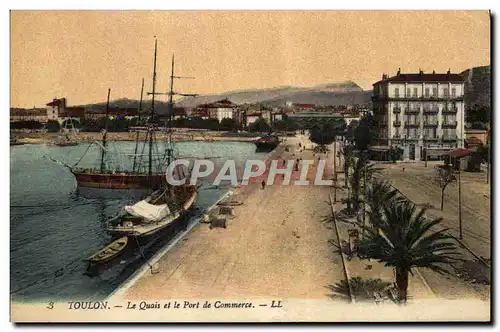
(276, 246)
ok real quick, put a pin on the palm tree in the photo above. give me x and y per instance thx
(357, 178)
(405, 240)
(347, 151)
(378, 194)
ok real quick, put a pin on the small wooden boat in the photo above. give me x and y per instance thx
(69, 143)
(109, 252)
(15, 141)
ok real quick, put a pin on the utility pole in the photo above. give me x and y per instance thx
(334, 169)
(489, 152)
(365, 162)
(459, 205)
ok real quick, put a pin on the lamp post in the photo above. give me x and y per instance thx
(334, 169)
(365, 161)
(459, 204)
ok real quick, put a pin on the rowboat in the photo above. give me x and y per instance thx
(109, 252)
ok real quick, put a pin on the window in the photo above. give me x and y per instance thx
(454, 92)
(427, 91)
(434, 92)
(396, 92)
(408, 92)
(445, 92)
(415, 92)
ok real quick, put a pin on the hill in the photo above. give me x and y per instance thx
(477, 86)
(325, 94)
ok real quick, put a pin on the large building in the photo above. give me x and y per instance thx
(57, 109)
(419, 112)
(219, 110)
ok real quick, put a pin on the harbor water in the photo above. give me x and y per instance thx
(55, 226)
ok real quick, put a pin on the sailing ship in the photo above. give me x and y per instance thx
(166, 205)
(154, 213)
(144, 174)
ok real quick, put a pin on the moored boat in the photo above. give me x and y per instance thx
(118, 180)
(153, 214)
(15, 141)
(267, 143)
(109, 252)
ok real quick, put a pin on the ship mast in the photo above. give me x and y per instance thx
(151, 115)
(138, 122)
(103, 152)
(170, 109)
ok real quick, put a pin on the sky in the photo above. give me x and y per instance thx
(80, 54)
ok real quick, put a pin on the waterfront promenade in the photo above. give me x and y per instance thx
(276, 246)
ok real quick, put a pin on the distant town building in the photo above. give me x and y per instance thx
(39, 115)
(58, 110)
(419, 112)
(303, 107)
(307, 119)
(113, 112)
(220, 109)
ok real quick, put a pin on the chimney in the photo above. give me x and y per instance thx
(399, 72)
(433, 72)
(384, 76)
(421, 72)
(448, 72)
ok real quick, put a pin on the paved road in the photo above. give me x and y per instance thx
(276, 246)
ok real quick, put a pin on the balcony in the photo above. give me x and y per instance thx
(449, 139)
(412, 111)
(396, 123)
(431, 110)
(412, 124)
(452, 110)
(396, 110)
(416, 98)
(451, 124)
(430, 124)
(431, 138)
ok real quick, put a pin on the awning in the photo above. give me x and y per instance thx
(458, 153)
(436, 152)
(379, 148)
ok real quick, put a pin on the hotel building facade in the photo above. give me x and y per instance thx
(421, 113)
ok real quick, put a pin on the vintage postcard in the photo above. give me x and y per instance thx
(250, 166)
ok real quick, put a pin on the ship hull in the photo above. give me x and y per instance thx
(119, 181)
(147, 231)
(264, 146)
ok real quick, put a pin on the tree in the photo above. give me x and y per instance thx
(444, 176)
(260, 126)
(364, 133)
(361, 171)
(325, 133)
(285, 125)
(404, 240)
(347, 151)
(378, 194)
(228, 124)
(53, 126)
(351, 129)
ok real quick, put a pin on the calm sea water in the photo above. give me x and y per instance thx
(54, 225)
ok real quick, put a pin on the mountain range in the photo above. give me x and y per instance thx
(325, 94)
(476, 79)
